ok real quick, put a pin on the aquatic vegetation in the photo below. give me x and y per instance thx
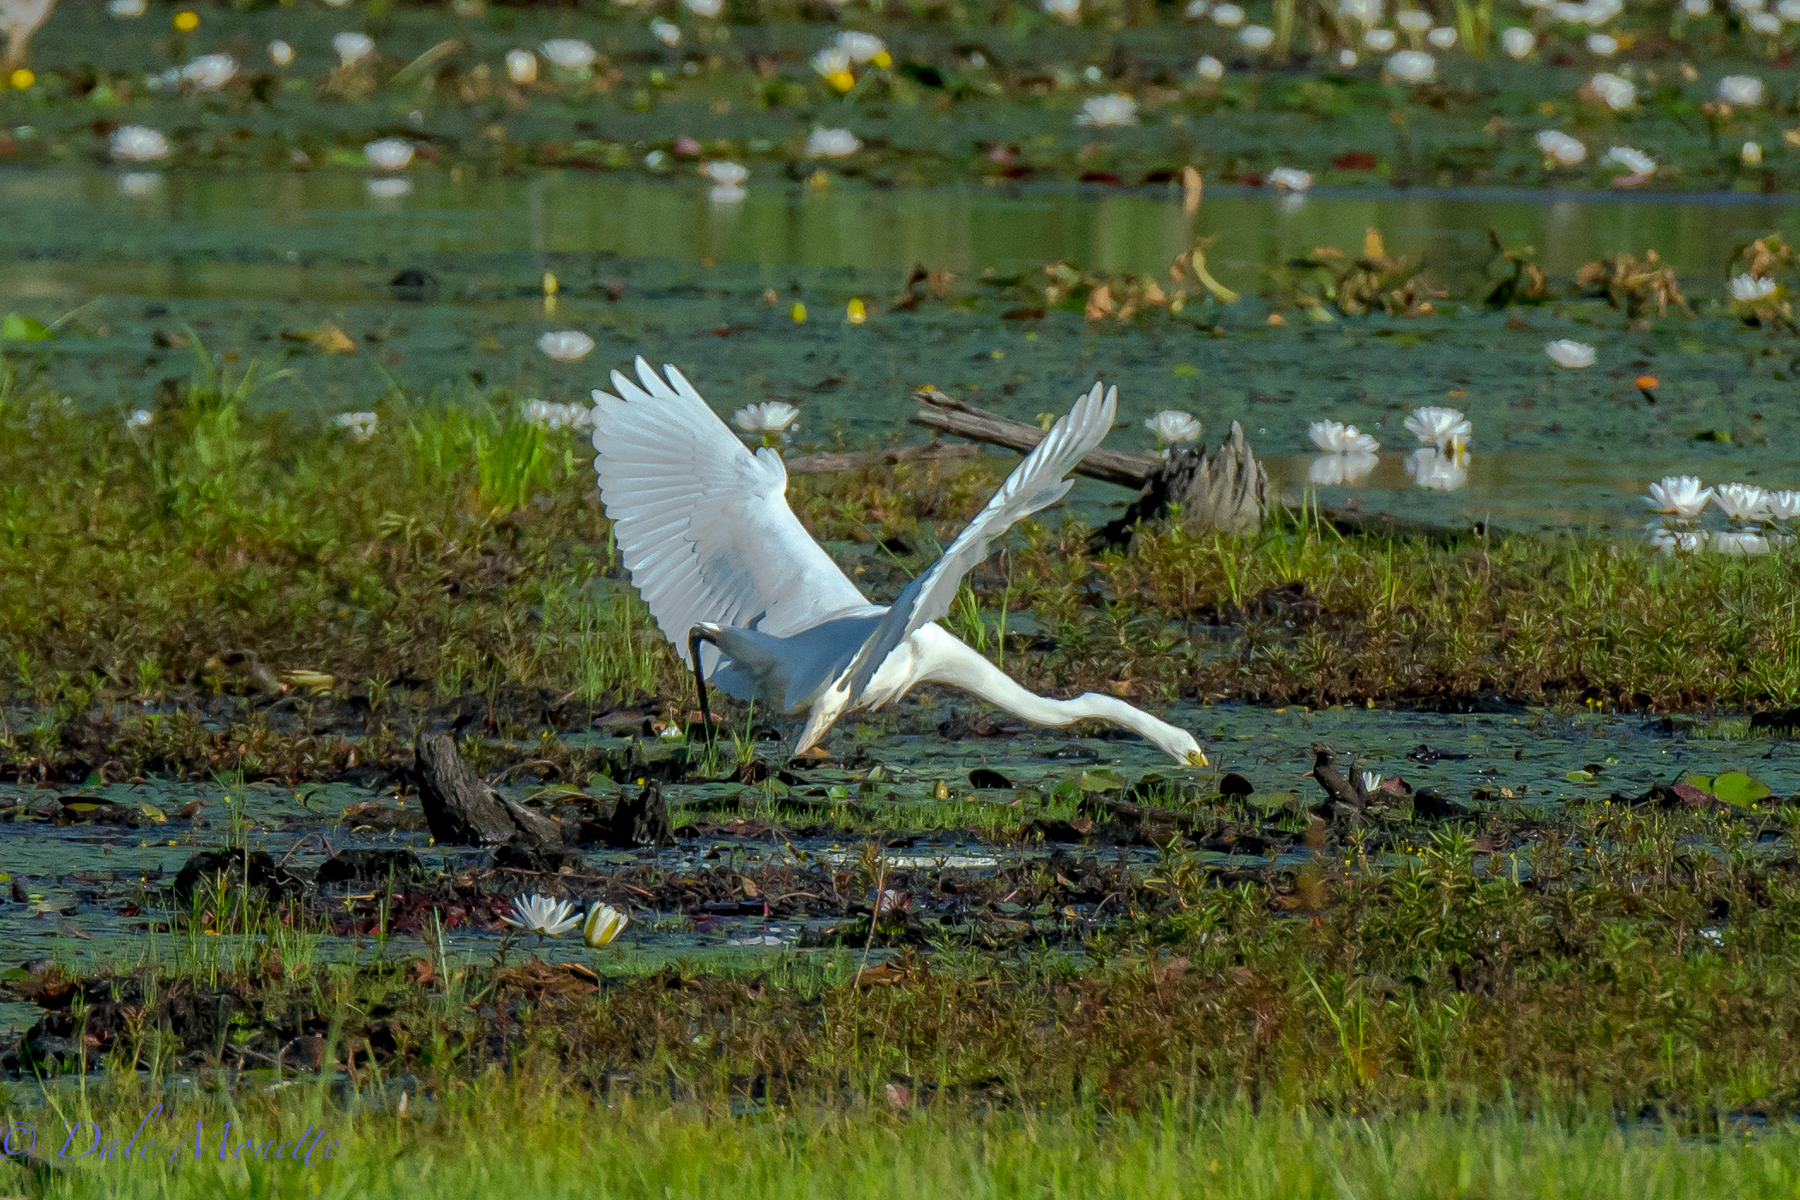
(1571, 354)
(545, 916)
(603, 925)
(566, 345)
(1171, 426)
(1335, 437)
(1445, 428)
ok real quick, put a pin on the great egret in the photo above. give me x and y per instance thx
(704, 528)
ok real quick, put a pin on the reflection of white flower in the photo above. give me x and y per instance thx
(1340, 470)
(1335, 437)
(1063, 10)
(1740, 541)
(1567, 352)
(1209, 68)
(1380, 40)
(1172, 425)
(1227, 16)
(1413, 20)
(391, 188)
(1678, 541)
(542, 915)
(280, 53)
(1560, 148)
(1678, 496)
(1748, 288)
(140, 418)
(1290, 179)
(1363, 12)
(138, 183)
(569, 54)
(126, 8)
(1439, 472)
(389, 154)
(352, 47)
(1445, 428)
(1108, 110)
(771, 416)
(1442, 38)
(521, 66)
(1256, 37)
(832, 143)
(1603, 45)
(1632, 159)
(1412, 66)
(1744, 91)
(666, 32)
(603, 924)
(1616, 93)
(1518, 41)
(566, 345)
(360, 424)
(210, 72)
(1741, 501)
(545, 415)
(138, 143)
(705, 8)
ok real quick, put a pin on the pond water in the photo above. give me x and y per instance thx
(254, 262)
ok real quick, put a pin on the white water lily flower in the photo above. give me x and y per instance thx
(705, 8)
(138, 143)
(542, 915)
(1633, 160)
(1346, 58)
(1678, 496)
(391, 188)
(1616, 93)
(1197, 8)
(603, 924)
(1567, 352)
(360, 424)
(569, 54)
(1789, 10)
(1748, 288)
(666, 32)
(140, 418)
(543, 414)
(1445, 428)
(389, 154)
(1115, 109)
(1413, 20)
(832, 60)
(832, 143)
(1560, 148)
(1063, 10)
(210, 72)
(1518, 41)
(1439, 472)
(771, 416)
(1256, 37)
(1784, 506)
(1442, 38)
(1380, 40)
(1227, 16)
(1340, 470)
(1209, 68)
(863, 48)
(1696, 8)
(1741, 501)
(352, 47)
(1764, 23)
(1739, 541)
(1604, 45)
(280, 53)
(1371, 780)
(1412, 66)
(566, 345)
(1751, 154)
(1743, 91)
(1172, 425)
(521, 66)
(126, 8)
(1335, 437)
(1363, 12)
(727, 174)
(1290, 179)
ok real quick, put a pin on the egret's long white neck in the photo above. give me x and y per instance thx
(949, 660)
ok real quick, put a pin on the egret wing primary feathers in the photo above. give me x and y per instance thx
(702, 524)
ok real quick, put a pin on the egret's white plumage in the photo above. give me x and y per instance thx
(704, 527)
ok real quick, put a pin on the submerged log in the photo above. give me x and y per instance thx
(938, 411)
(463, 810)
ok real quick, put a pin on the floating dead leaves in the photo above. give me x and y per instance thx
(538, 979)
(1760, 274)
(1633, 285)
(330, 339)
(923, 285)
(1354, 285)
(1516, 279)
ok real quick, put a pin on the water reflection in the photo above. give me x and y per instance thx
(1439, 472)
(1341, 470)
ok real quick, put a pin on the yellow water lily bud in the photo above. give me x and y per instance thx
(843, 81)
(942, 791)
(884, 60)
(798, 312)
(22, 79)
(186, 21)
(551, 287)
(856, 314)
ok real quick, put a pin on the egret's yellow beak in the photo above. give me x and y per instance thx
(1197, 758)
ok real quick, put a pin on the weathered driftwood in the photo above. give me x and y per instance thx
(938, 411)
(857, 460)
(1227, 492)
(463, 810)
(642, 820)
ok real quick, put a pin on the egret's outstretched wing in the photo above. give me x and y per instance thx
(1034, 484)
(703, 525)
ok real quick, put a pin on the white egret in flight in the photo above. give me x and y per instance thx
(704, 527)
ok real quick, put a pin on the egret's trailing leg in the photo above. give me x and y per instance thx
(696, 635)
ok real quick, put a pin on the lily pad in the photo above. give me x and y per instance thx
(1581, 777)
(1735, 787)
(17, 327)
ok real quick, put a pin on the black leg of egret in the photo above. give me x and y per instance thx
(696, 635)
